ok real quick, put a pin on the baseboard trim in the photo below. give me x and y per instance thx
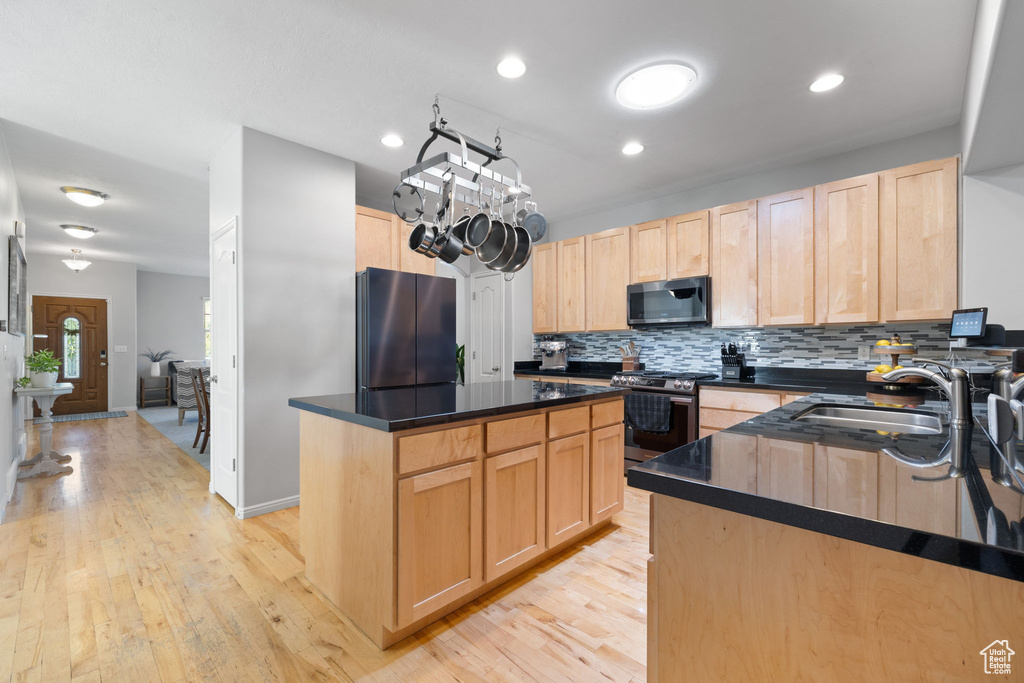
(10, 481)
(128, 409)
(264, 508)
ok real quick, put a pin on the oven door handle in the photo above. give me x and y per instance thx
(680, 399)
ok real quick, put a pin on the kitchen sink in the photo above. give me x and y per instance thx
(871, 418)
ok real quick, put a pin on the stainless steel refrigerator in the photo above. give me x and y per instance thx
(405, 329)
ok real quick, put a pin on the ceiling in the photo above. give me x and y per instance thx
(133, 97)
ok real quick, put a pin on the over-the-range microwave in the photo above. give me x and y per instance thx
(685, 300)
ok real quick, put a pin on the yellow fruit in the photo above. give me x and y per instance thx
(898, 367)
(882, 369)
(879, 404)
(905, 344)
(882, 433)
(882, 342)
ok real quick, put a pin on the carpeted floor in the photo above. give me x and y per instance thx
(165, 419)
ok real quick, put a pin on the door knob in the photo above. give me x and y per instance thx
(213, 378)
(103, 364)
(495, 368)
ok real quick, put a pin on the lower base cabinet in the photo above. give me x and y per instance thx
(606, 493)
(568, 487)
(515, 515)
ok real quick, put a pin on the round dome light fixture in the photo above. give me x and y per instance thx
(632, 148)
(74, 263)
(83, 196)
(827, 82)
(392, 140)
(656, 86)
(79, 231)
(511, 67)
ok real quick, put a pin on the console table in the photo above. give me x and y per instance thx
(46, 462)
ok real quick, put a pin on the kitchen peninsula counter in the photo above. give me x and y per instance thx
(415, 501)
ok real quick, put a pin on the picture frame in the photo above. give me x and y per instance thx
(17, 288)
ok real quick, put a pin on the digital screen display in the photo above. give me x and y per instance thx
(968, 323)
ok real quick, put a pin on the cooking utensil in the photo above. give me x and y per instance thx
(521, 254)
(422, 238)
(411, 192)
(534, 222)
(459, 230)
(479, 227)
(451, 248)
(508, 250)
(623, 352)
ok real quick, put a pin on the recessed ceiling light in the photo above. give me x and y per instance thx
(80, 195)
(74, 263)
(656, 86)
(511, 67)
(392, 140)
(826, 82)
(79, 231)
(632, 148)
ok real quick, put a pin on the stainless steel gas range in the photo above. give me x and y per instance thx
(681, 389)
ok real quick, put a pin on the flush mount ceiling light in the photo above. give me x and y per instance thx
(80, 195)
(79, 231)
(656, 86)
(632, 148)
(511, 67)
(74, 263)
(392, 140)
(827, 82)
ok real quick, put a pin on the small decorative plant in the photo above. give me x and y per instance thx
(23, 382)
(43, 367)
(460, 362)
(156, 356)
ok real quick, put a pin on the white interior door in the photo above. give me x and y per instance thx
(224, 363)
(488, 328)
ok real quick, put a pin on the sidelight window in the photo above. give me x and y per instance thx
(72, 348)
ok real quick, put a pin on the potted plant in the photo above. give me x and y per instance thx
(154, 360)
(43, 367)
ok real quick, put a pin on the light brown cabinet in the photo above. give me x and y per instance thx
(606, 463)
(919, 241)
(568, 488)
(689, 250)
(381, 242)
(846, 245)
(572, 285)
(785, 234)
(786, 471)
(607, 278)
(545, 288)
(515, 515)
(721, 407)
(734, 265)
(647, 253)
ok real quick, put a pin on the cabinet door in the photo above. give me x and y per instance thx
(572, 285)
(607, 278)
(919, 251)
(785, 233)
(545, 288)
(648, 260)
(607, 479)
(440, 539)
(785, 471)
(514, 518)
(847, 481)
(688, 249)
(568, 487)
(734, 462)
(734, 265)
(375, 240)
(846, 246)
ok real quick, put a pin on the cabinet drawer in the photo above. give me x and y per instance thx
(571, 421)
(703, 431)
(505, 435)
(728, 399)
(712, 418)
(433, 449)
(603, 414)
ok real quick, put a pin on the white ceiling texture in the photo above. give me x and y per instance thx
(133, 97)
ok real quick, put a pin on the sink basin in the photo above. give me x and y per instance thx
(871, 418)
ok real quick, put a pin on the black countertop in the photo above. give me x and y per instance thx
(842, 482)
(391, 410)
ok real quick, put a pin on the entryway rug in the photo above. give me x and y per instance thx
(83, 416)
(165, 419)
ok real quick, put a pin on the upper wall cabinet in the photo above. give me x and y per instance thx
(688, 250)
(607, 277)
(919, 241)
(572, 285)
(381, 243)
(545, 288)
(846, 244)
(785, 234)
(648, 260)
(734, 265)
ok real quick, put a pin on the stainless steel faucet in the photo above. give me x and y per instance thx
(954, 382)
(1003, 383)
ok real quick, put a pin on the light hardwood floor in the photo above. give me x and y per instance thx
(129, 569)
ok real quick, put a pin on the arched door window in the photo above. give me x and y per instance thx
(72, 342)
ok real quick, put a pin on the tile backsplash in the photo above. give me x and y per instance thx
(681, 347)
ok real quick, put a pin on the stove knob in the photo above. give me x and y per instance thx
(688, 384)
(632, 380)
(677, 384)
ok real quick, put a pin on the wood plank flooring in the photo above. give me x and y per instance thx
(129, 569)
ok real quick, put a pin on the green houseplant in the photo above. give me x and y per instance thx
(154, 359)
(43, 367)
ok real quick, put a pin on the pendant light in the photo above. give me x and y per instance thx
(76, 264)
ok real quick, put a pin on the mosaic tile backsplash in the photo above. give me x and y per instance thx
(684, 347)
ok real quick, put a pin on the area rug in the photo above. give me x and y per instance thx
(165, 420)
(83, 416)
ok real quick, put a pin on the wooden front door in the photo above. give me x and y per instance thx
(76, 331)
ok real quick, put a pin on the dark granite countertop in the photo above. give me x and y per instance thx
(888, 490)
(581, 369)
(391, 410)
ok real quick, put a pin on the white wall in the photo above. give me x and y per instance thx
(109, 280)
(296, 209)
(170, 316)
(993, 242)
(12, 428)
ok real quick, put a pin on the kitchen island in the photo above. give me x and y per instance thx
(415, 501)
(789, 550)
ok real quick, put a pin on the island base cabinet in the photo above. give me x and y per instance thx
(515, 514)
(733, 597)
(606, 461)
(568, 487)
(440, 539)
